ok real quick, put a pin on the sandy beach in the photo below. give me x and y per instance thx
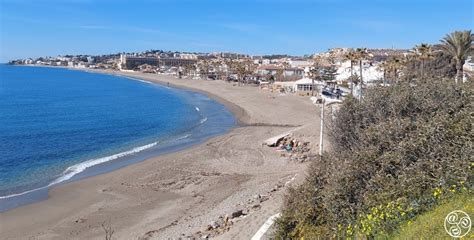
(178, 195)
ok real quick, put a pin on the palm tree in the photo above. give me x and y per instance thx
(286, 66)
(314, 72)
(229, 67)
(352, 57)
(361, 55)
(423, 52)
(394, 65)
(240, 71)
(459, 45)
(250, 68)
(243, 69)
(204, 68)
(385, 67)
(216, 65)
(188, 69)
(279, 73)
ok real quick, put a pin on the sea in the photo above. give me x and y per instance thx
(59, 125)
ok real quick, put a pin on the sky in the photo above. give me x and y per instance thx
(34, 28)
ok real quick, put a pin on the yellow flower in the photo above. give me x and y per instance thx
(437, 192)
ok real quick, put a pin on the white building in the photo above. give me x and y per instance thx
(188, 56)
(273, 70)
(306, 85)
(300, 63)
(262, 61)
(369, 73)
(469, 64)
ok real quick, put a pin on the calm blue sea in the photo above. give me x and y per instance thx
(57, 124)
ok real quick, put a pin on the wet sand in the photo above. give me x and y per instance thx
(179, 194)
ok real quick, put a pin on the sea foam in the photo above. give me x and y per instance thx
(80, 167)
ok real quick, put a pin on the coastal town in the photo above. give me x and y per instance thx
(338, 67)
(236, 119)
(333, 78)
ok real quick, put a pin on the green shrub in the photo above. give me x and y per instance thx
(392, 154)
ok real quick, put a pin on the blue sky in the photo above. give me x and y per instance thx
(32, 28)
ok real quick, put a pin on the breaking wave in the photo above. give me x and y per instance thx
(80, 167)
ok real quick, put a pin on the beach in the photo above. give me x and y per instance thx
(178, 195)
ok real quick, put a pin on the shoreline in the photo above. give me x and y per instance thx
(239, 113)
(177, 194)
(122, 159)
